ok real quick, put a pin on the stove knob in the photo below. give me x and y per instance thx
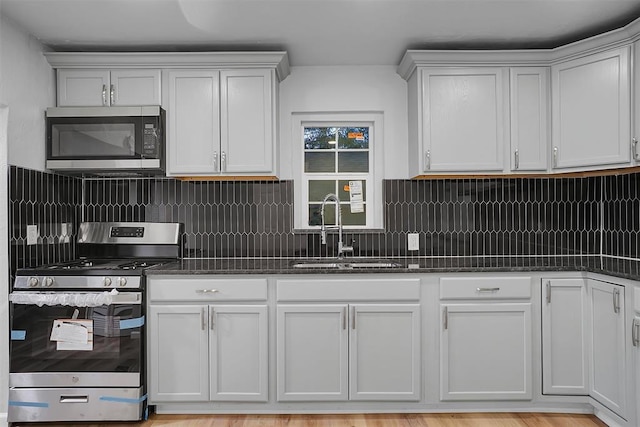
(48, 282)
(33, 282)
(122, 281)
(107, 281)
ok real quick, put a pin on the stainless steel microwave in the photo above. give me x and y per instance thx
(106, 140)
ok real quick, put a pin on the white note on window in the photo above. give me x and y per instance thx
(355, 196)
(73, 334)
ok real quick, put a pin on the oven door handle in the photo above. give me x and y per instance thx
(76, 299)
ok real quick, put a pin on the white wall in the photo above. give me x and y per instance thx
(27, 87)
(4, 268)
(347, 88)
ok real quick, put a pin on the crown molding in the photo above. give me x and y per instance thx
(228, 60)
(522, 57)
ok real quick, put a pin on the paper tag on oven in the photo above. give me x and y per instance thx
(73, 334)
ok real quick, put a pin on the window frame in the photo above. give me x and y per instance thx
(374, 208)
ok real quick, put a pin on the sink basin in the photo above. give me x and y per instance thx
(345, 264)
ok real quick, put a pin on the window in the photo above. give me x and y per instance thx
(337, 154)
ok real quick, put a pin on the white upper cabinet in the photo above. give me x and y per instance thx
(221, 122)
(635, 152)
(248, 114)
(591, 111)
(457, 120)
(529, 114)
(193, 128)
(103, 87)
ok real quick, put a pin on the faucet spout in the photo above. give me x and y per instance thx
(342, 248)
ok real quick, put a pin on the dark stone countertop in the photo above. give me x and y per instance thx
(627, 269)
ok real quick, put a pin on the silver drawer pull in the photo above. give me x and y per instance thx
(74, 399)
(206, 291)
(487, 289)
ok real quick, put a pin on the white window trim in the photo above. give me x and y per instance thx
(373, 119)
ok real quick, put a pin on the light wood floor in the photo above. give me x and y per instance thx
(360, 420)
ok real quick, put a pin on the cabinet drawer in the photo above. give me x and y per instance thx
(485, 287)
(205, 289)
(348, 289)
(636, 299)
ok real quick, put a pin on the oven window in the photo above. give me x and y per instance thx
(115, 339)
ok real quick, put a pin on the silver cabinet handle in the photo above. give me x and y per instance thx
(203, 320)
(112, 93)
(215, 162)
(445, 318)
(212, 314)
(427, 160)
(635, 332)
(555, 157)
(344, 318)
(223, 160)
(634, 148)
(548, 292)
(104, 94)
(516, 159)
(616, 301)
(207, 291)
(353, 318)
(487, 289)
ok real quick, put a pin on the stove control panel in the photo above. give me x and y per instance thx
(127, 232)
(77, 282)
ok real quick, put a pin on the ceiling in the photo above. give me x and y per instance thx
(316, 32)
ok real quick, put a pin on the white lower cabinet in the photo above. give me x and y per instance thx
(205, 343)
(608, 360)
(178, 353)
(485, 341)
(338, 352)
(635, 342)
(201, 353)
(486, 351)
(565, 361)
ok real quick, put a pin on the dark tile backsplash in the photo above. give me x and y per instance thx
(454, 217)
(621, 216)
(48, 201)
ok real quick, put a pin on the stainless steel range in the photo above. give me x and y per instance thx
(78, 328)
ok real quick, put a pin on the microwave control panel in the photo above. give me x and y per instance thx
(151, 141)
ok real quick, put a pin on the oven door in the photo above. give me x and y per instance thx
(76, 345)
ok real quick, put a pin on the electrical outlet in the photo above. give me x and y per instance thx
(413, 241)
(65, 229)
(32, 234)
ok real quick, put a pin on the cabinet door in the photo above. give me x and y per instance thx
(312, 351)
(239, 352)
(463, 121)
(529, 118)
(635, 332)
(608, 368)
(485, 352)
(83, 88)
(135, 87)
(247, 121)
(385, 352)
(193, 105)
(178, 353)
(565, 364)
(591, 110)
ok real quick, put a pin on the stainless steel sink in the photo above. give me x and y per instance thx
(345, 264)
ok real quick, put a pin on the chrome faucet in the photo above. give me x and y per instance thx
(342, 248)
